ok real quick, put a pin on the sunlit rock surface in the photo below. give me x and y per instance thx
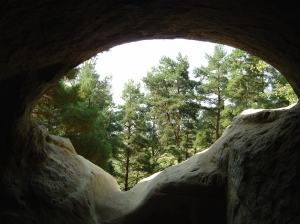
(250, 175)
(42, 180)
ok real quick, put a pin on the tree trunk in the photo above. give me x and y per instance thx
(218, 115)
(137, 175)
(126, 173)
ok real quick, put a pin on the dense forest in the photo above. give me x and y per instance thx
(164, 120)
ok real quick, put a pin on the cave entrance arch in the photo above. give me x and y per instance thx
(88, 29)
(41, 41)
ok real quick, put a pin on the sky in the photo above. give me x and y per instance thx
(133, 60)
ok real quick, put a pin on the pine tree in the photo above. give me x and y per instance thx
(250, 79)
(212, 84)
(134, 141)
(80, 108)
(172, 104)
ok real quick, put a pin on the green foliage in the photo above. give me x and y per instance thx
(230, 84)
(132, 121)
(250, 76)
(176, 117)
(172, 101)
(213, 80)
(282, 92)
(79, 107)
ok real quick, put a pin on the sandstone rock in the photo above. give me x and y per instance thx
(253, 167)
(263, 168)
(242, 174)
(61, 142)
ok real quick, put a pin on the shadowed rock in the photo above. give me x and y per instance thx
(198, 190)
(250, 175)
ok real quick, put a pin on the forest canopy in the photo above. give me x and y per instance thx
(164, 120)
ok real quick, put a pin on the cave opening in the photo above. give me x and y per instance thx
(250, 175)
(83, 108)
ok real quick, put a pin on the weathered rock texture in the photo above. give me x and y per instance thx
(250, 175)
(67, 188)
(247, 176)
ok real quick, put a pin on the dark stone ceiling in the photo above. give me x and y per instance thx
(41, 40)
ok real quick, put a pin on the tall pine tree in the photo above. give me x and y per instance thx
(173, 106)
(133, 126)
(213, 80)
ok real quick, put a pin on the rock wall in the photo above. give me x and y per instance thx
(250, 175)
(263, 167)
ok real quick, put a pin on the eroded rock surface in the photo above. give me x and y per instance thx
(250, 175)
(43, 180)
(263, 168)
(65, 188)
